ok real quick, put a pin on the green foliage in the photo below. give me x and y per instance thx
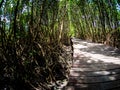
(96, 20)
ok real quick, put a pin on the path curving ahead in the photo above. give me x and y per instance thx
(96, 67)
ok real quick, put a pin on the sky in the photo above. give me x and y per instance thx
(118, 7)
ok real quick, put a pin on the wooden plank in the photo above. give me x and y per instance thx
(93, 69)
(83, 87)
(114, 85)
(92, 65)
(95, 73)
(84, 79)
(111, 85)
(116, 88)
(97, 67)
(83, 63)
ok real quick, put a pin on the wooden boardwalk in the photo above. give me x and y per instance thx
(95, 67)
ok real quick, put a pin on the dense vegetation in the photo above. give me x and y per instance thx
(34, 35)
(97, 20)
(31, 43)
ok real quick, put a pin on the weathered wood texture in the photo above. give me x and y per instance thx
(95, 67)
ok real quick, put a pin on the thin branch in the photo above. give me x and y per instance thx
(1, 3)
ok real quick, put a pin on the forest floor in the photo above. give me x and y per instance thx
(95, 67)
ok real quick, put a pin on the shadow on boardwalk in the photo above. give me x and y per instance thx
(95, 67)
